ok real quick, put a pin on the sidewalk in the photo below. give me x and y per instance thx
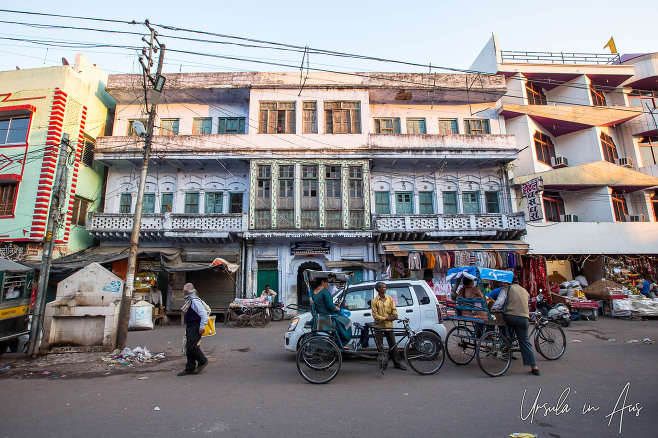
(163, 339)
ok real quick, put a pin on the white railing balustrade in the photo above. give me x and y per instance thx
(123, 222)
(449, 222)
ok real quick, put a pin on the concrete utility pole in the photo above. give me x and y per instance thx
(156, 84)
(58, 195)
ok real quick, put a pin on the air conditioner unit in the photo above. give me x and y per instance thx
(569, 218)
(625, 162)
(634, 218)
(558, 162)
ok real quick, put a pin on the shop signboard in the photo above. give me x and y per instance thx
(303, 248)
(530, 190)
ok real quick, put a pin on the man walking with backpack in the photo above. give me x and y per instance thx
(196, 318)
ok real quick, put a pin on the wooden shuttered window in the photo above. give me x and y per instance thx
(7, 198)
(276, 118)
(310, 118)
(342, 117)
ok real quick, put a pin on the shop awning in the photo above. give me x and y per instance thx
(109, 254)
(403, 248)
(373, 266)
(11, 266)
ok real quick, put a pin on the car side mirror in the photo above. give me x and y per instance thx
(425, 300)
(369, 303)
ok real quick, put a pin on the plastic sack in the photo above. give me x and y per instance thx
(141, 316)
(582, 281)
(210, 327)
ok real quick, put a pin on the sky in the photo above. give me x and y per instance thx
(441, 33)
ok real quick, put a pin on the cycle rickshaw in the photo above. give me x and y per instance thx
(320, 354)
(491, 341)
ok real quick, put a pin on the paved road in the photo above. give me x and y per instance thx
(252, 388)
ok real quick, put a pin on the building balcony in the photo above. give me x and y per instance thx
(394, 227)
(643, 125)
(169, 226)
(565, 119)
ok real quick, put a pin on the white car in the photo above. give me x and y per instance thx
(413, 298)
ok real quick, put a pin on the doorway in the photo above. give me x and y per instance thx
(302, 291)
(268, 274)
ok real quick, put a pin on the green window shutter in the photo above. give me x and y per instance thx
(426, 202)
(377, 127)
(467, 127)
(493, 206)
(241, 128)
(450, 203)
(485, 126)
(403, 203)
(396, 125)
(148, 203)
(167, 203)
(125, 203)
(471, 201)
(221, 126)
(192, 202)
(382, 203)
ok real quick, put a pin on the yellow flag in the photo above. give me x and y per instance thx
(611, 44)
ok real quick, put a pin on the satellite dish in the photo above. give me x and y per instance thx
(138, 128)
(64, 61)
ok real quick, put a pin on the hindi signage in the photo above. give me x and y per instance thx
(530, 190)
(303, 248)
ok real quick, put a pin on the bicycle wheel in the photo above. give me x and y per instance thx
(235, 318)
(494, 353)
(277, 314)
(259, 318)
(460, 345)
(425, 355)
(550, 341)
(318, 359)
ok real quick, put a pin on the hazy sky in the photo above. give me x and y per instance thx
(437, 32)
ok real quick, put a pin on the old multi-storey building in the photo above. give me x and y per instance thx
(586, 125)
(38, 106)
(339, 173)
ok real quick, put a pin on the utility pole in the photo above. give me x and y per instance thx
(58, 196)
(156, 84)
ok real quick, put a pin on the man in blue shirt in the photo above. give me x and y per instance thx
(196, 319)
(647, 289)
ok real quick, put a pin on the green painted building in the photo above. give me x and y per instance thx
(37, 107)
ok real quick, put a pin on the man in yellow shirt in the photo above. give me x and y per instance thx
(384, 313)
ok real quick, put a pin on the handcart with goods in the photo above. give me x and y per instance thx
(243, 311)
(320, 354)
(489, 340)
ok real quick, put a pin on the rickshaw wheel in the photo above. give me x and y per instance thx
(425, 354)
(494, 353)
(550, 341)
(319, 359)
(460, 345)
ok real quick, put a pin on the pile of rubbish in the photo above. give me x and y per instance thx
(130, 357)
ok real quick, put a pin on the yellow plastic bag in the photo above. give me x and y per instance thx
(210, 327)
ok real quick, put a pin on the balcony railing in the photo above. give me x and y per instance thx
(119, 225)
(507, 225)
(560, 57)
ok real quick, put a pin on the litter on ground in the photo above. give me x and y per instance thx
(130, 357)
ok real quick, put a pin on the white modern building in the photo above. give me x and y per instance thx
(586, 125)
(336, 174)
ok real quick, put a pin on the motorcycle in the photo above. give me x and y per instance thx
(277, 311)
(557, 312)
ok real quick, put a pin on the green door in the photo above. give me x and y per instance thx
(271, 277)
(358, 276)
